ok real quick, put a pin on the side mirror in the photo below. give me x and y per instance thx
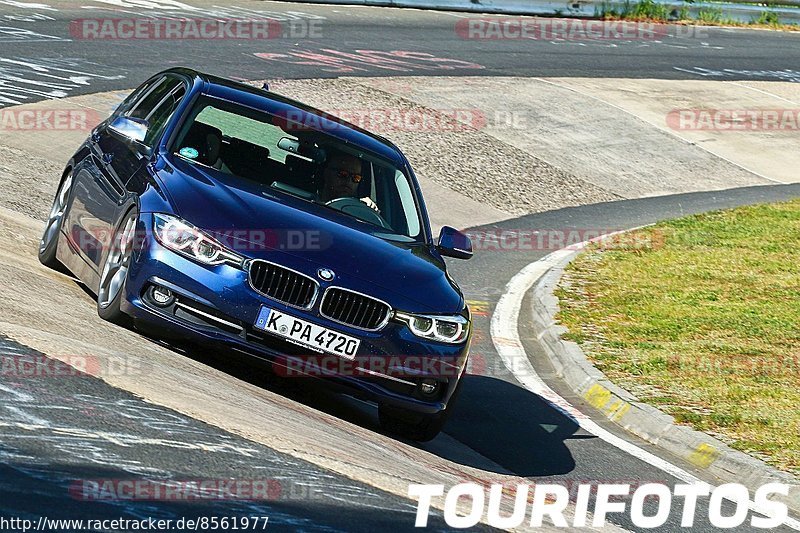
(453, 243)
(132, 129)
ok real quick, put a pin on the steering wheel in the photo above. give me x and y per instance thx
(358, 209)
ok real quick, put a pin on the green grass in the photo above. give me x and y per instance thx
(710, 16)
(768, 18)
(642, 10)
(705, 324)
(648, 9)
(651, 11)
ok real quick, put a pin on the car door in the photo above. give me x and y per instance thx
(100, 186)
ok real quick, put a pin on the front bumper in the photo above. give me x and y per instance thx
(216, 304)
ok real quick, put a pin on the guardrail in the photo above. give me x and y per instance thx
(736, 10)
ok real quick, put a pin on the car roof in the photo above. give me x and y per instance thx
(306, 115)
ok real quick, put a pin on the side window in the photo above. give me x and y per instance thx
(156, 104)
(410, 215)
(151, 97)
(134, 97)
(160, 115)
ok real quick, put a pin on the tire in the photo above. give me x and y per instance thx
(420, 427)
(48, 245)
(114, 275)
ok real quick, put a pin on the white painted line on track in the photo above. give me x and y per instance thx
(505, 337)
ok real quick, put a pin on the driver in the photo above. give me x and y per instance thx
(341, 177)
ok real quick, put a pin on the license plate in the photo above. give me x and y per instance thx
(318, 338)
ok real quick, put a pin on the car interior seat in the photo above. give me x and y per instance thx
(207, 140)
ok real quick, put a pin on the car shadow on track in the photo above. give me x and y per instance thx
(512, 430)
(513, 427)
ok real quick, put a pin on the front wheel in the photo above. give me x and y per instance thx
(420, 427)
(52, 228)
(115, 272)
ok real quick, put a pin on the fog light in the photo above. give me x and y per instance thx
(162, 296)
(428, 386)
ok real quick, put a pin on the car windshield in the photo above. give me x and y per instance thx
(303, 162)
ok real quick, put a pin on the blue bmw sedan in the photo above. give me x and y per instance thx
(216, 212)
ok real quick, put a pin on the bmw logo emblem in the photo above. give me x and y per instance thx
(325, 274)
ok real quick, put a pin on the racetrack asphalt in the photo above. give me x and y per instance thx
(359, 41)
(50, 426)
(495, 418)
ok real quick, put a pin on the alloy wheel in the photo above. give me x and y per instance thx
(53, 225)
(115, 269)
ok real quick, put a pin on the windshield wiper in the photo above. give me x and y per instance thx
(195, 162)
(294, 191)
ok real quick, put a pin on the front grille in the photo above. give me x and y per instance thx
(282, 284)
(354, 309)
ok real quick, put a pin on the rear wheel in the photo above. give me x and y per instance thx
(49, 243)
(115, 272)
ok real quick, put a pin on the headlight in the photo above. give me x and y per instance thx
(182, 237)
(443, 328)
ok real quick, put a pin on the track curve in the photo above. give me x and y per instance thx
(499, 431)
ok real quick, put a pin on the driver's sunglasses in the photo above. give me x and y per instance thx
(345, 174)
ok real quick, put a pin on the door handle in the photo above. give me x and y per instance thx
(108, 158)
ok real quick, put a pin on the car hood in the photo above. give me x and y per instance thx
(306, 237)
